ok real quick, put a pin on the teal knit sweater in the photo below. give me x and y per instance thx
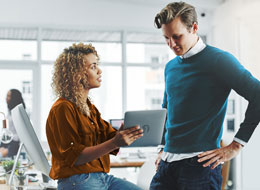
(196, 92)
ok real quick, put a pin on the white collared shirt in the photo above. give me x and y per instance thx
(198, 47)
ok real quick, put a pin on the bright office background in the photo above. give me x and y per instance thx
(133, 55)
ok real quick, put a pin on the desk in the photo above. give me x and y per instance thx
(126, 169)
(4, 187)
(125, 164)
(32, 185)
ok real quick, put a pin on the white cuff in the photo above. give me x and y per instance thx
(240, 141)
(160, 148)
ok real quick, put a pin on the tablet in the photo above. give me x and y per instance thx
(151, 121)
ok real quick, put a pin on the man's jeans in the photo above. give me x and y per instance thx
(187, 174)
(95, 181)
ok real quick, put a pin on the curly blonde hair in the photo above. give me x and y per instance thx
(70, 77)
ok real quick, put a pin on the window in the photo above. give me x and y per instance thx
(17, 79)
(47, 97)
(143, 63)
(18, 50)
(108, 52)
(108, 97)
(148, 53)
(145, 87)
(52, 49)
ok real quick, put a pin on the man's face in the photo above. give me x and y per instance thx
(178, 37)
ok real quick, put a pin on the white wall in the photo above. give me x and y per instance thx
(236, 29)
(73, 13)
(102, 14)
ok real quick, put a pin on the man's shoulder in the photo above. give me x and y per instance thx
(214, 53)
(222, 54)
(173, 61)
(214, 50)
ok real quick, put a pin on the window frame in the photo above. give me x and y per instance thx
(35, 66)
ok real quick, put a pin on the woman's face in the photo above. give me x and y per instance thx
(8, 97)
(93, 71)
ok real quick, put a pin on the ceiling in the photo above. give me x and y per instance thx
(32, 33)
(199, 4)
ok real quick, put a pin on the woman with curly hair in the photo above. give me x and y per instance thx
(80, 140)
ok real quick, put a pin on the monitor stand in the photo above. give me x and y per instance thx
(45, 178)
(15, 164)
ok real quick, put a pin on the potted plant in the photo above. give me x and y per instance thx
(8, 166)
(20, 174)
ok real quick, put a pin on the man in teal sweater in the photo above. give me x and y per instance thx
(197, 85)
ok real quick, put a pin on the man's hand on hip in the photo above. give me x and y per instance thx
(220, 155)
(158, 160)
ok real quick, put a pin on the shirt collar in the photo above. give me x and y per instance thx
(199, 46)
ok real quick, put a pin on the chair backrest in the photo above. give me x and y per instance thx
(146, 173)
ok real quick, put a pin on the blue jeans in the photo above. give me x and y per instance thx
(95, 181)
(187, 174)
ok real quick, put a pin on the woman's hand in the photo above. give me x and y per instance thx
(220, 155)
(122, 138)
(125, 137)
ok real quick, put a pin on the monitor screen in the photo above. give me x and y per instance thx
(116, 123)
(28, 137)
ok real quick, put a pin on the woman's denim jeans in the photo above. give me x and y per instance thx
(95, 181)
(187, 174)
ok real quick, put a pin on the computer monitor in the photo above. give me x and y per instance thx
(116, 123)
(29, 139)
